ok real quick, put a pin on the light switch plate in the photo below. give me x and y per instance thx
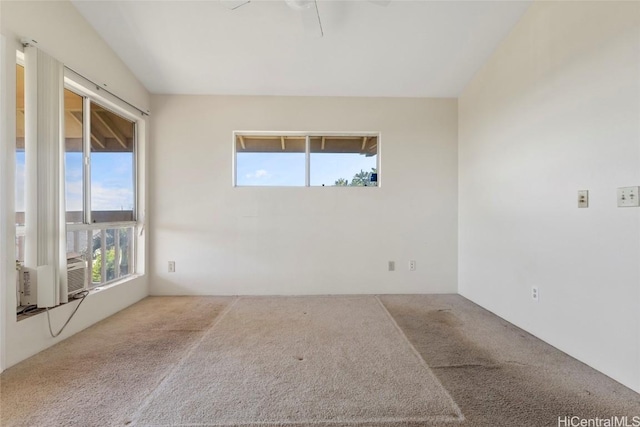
(628, 197)
(583, 198)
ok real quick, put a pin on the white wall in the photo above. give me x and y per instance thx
(63, 33)
(323, 240)
(555, 110)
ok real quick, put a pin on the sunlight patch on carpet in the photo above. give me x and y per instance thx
(296, 360)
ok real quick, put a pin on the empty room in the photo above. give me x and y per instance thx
(319, 213)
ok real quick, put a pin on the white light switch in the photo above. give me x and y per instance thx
(583, 198)
(628, 197)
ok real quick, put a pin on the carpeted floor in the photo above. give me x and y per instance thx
(300, 360)
(306, 361)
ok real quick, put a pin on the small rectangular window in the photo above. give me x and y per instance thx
(306, 159)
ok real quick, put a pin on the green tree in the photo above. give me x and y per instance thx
(96, 271)
(360, 179)
(110, 239)
(110, 235)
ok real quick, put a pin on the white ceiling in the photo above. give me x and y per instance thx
(407, 49)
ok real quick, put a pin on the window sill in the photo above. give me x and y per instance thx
(104, 287)
(92, 291)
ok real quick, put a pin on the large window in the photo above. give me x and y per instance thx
(84, 170)
(99, 188)
(326, 160)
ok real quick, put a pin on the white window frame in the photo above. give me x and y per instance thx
(20, 229)
(307, 135)
(93, 94)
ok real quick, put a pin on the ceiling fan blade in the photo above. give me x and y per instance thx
(383, 3)
(311, 20)
(299, 4)
(234, 4)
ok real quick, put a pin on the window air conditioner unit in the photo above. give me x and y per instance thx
(76, 275)
(28, 278)
(37, 286)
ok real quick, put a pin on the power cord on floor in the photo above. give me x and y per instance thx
(85, 293)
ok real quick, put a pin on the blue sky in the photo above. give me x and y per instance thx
(288, 169)
(111, 181)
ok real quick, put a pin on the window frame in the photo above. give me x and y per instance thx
(89, 97)
(308, 136)
(79, 86)
(20, 228)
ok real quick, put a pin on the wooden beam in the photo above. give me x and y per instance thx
(242, 142)
(94, 137)
(97, 140)
(273, 137)
(282, 142)
(78, 117)
(323, 139)
(111, 127)
(364, 142)
(344, 137)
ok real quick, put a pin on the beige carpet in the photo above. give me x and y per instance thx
(497, 374)
(99, 376)
(290, 360)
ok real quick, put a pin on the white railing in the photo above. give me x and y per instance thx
(109, 249)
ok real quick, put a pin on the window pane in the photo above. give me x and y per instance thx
(73, 123)
(78, 248)
(343, 161)
(112, 166)
(112, 257)
(20, 165)
(270, 160)
(20, 249)
(78, 244)
(125, 246)
(97, 237)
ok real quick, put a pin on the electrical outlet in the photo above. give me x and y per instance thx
(172, 266)
(535, 294)
(412, 265)
(583, 198)
(392, 266)
(628, 197)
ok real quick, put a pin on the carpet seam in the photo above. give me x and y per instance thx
(424, 363)
(172, 371)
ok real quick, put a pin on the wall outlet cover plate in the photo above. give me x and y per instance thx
(583, 198)
(628, 197)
